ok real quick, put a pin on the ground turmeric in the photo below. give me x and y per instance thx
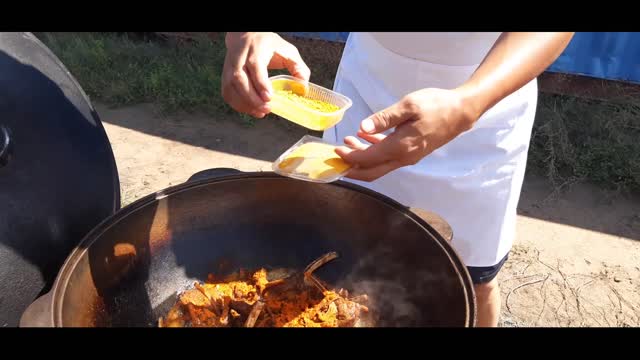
(317, 105)
(316, 160)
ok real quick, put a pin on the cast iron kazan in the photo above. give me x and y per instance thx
(127, 270)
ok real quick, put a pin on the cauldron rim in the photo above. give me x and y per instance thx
(59, 287)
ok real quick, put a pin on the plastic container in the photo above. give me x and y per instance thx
(296, 111)
(311, 159)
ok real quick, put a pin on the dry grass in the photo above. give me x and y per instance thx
(578, 139)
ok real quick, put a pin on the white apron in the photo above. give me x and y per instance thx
(474, 181)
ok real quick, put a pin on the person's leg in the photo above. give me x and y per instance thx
(487, 293)
(488, 299)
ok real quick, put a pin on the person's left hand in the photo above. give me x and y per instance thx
(424, 121)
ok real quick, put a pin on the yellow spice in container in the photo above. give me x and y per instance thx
(315, 161)
(310, 103)
(307, 104)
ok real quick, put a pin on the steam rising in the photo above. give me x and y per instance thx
(398, 293)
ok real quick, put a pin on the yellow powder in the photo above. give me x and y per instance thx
(310, 103)
(316, 160)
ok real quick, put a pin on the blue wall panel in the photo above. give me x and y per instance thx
(605, 55)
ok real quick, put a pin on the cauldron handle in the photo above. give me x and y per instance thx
(436, 221)
(213, 173)
(38, 314)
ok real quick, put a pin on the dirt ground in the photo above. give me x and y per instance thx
(576, 261)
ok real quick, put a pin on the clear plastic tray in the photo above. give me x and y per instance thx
(311, 159)
(301, 114)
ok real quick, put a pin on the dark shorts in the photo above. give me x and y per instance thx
(484, 274)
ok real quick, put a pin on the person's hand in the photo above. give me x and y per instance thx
(245, 78)
(424, 121)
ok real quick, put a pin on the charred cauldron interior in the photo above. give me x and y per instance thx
(129, 270)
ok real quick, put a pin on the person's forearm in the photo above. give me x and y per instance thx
(514, 60)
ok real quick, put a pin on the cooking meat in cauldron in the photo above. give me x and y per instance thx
(257, 299)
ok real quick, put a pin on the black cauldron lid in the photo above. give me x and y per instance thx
(58, 177)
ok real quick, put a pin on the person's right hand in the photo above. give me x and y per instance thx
(245, 78)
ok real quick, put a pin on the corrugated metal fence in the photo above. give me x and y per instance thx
(605, 55)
